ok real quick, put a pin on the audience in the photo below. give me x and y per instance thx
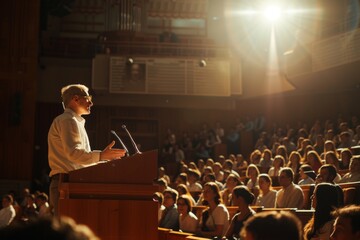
(317, 152)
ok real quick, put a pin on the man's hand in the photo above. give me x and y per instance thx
(110, 153)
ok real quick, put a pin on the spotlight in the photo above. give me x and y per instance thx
(130, 61)
(202, 63)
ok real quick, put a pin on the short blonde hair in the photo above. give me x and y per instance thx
(69, 91)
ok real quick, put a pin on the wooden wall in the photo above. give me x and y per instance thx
(19, 20)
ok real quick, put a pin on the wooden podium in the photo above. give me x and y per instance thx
(114, 198)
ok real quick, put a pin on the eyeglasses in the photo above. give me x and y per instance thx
(87, 97)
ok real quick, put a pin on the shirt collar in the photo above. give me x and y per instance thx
(79, 118)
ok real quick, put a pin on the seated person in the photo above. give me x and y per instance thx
(170, 215)
(7, 213)
(290, 195)
(281, 225)
(242, 198)
(354, 171)
(187, 219)
(215, 218)
(307, 175)
(347, 223)
(267, 195)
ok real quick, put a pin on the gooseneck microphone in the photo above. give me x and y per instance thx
(132, 140)
(121, 142)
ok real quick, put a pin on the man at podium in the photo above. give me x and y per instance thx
(68, 142)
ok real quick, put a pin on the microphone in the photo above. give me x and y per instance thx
(121, 142)
(132, 140)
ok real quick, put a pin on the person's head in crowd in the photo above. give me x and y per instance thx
(299, 143)
(346, 156)
(41, 199)
(279, 161)
(183, 168)
(162, 183)
(209, 162)
(343, 126)
(170, 197)
(159, 198)
(228, 164)
(181, 179)
(210, 178)
(217, 167)
(255, 157)
(240, 158)
(329, 145)
(193, 176)
(327, 173)
(211, 192)
(320, 140)
(354, 166)
(324, 200)
(331, 158)
(304, 143)
(286, 177)
(7, 200)
(182, 189)
(221, 159)
(272, 225)
(267, 154)
(265, 182)
(161, 172)
(347, 223)
(294, 158)
(314, 160)
(232, 181)
(302, 132)
(226, 173)
(201, 165)
(208, 170)
(184, 204)
(252, 171)
(193, 166)
(242, 197)
(281, 150)
(62, 228)
(306, 171)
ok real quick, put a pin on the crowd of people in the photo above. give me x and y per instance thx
(323, 155)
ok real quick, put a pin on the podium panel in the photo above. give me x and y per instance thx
(114, 219)
(114, 198)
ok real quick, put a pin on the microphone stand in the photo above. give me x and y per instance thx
(132, 140)
(121, 142)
